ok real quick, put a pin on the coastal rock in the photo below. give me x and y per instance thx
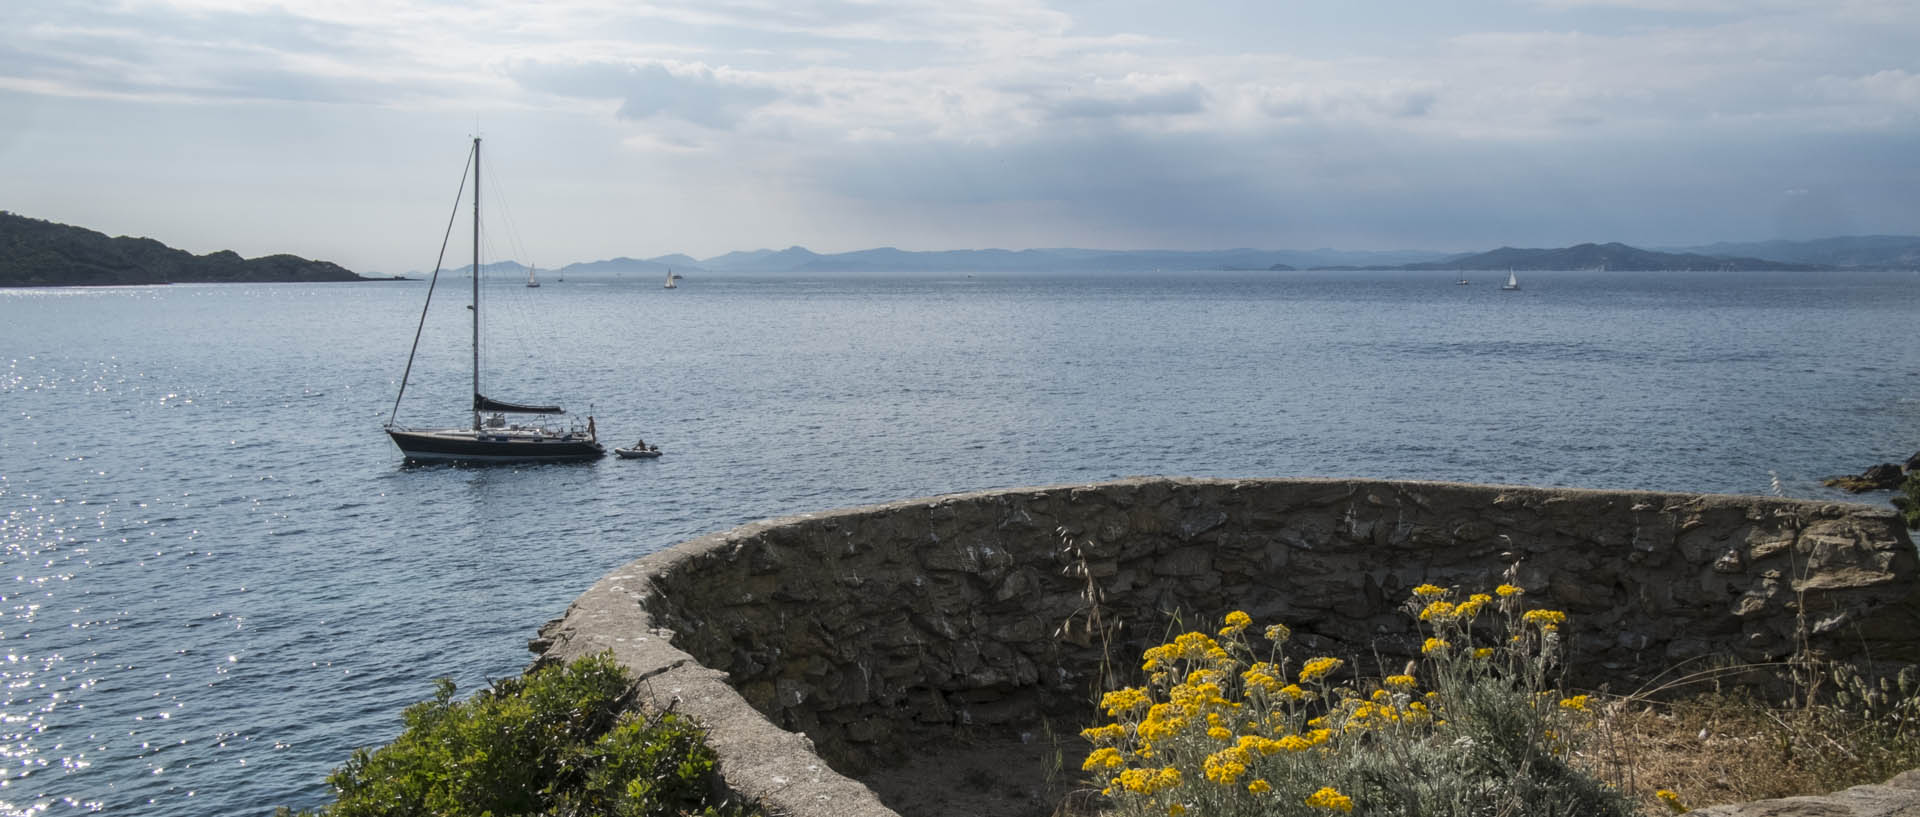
(1899, 797)
(1883, 477)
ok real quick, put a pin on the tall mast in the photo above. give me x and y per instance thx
(476, 284)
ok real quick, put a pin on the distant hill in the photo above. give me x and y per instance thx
(787, 260)
(43, 253)
(613, 266)
(1863, 251)
(1612, 256)
(890, 259)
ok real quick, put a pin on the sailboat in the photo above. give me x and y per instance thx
(530, 281)
(1463, 280)
(1512, 282)
(670, 280)
(492, 437)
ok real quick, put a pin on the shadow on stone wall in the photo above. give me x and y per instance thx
(923, 635)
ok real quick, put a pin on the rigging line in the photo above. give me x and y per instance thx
(503, 207)
(430, 285)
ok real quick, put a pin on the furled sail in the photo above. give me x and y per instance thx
(484, 403)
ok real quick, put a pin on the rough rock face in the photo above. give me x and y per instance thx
(1883, 477)
(879, 632)
(1899, 797)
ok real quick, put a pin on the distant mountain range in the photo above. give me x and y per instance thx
(892, 260)
(1614, 256)
(43, 253)
(1871, 251)
(1867, 252)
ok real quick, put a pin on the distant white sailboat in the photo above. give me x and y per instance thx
(1512, 282)
(670, 280)
(530, 281)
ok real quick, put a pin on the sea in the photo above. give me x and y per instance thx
(220, 578)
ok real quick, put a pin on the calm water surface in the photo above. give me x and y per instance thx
(219, 579)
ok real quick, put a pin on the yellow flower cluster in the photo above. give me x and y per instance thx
(1443, 611)
(1220, 719)
(1319, 668)
(1471, 607)
(1417, 714)
(1438, 610)
(1263, 678)
(1148, 781)
(1330, 798)
(1227, 765)
(1303, 742)
(1163, 721)
(1544, 618)
(1365, 715)
(1237, 622)
(1126, 699)
(1672, 801)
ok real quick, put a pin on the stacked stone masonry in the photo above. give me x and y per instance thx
(826, 646)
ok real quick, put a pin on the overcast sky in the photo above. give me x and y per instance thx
(336, 129)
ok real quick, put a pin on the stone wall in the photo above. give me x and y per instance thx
(879, 634)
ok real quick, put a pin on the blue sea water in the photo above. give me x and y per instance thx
(219, 578)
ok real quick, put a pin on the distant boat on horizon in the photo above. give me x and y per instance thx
(530, 282)
(1511, 284)
(671, 278)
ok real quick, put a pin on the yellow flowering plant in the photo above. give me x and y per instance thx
(1225, 724)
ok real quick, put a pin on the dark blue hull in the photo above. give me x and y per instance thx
(486, 447)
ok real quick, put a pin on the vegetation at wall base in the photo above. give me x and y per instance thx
(558, 741)
(1226, 726)
(1724, 745)
(1478, 725)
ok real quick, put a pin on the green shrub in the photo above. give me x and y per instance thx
(1907, 499)
(1223, 727)
(557, 741)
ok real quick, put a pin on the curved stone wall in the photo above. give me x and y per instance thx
(840, 644)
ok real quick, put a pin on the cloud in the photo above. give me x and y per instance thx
(1094, 115)
(694, 93)
(1129, 96)
(170, 54)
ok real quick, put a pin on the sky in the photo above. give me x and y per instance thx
(336, 129)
